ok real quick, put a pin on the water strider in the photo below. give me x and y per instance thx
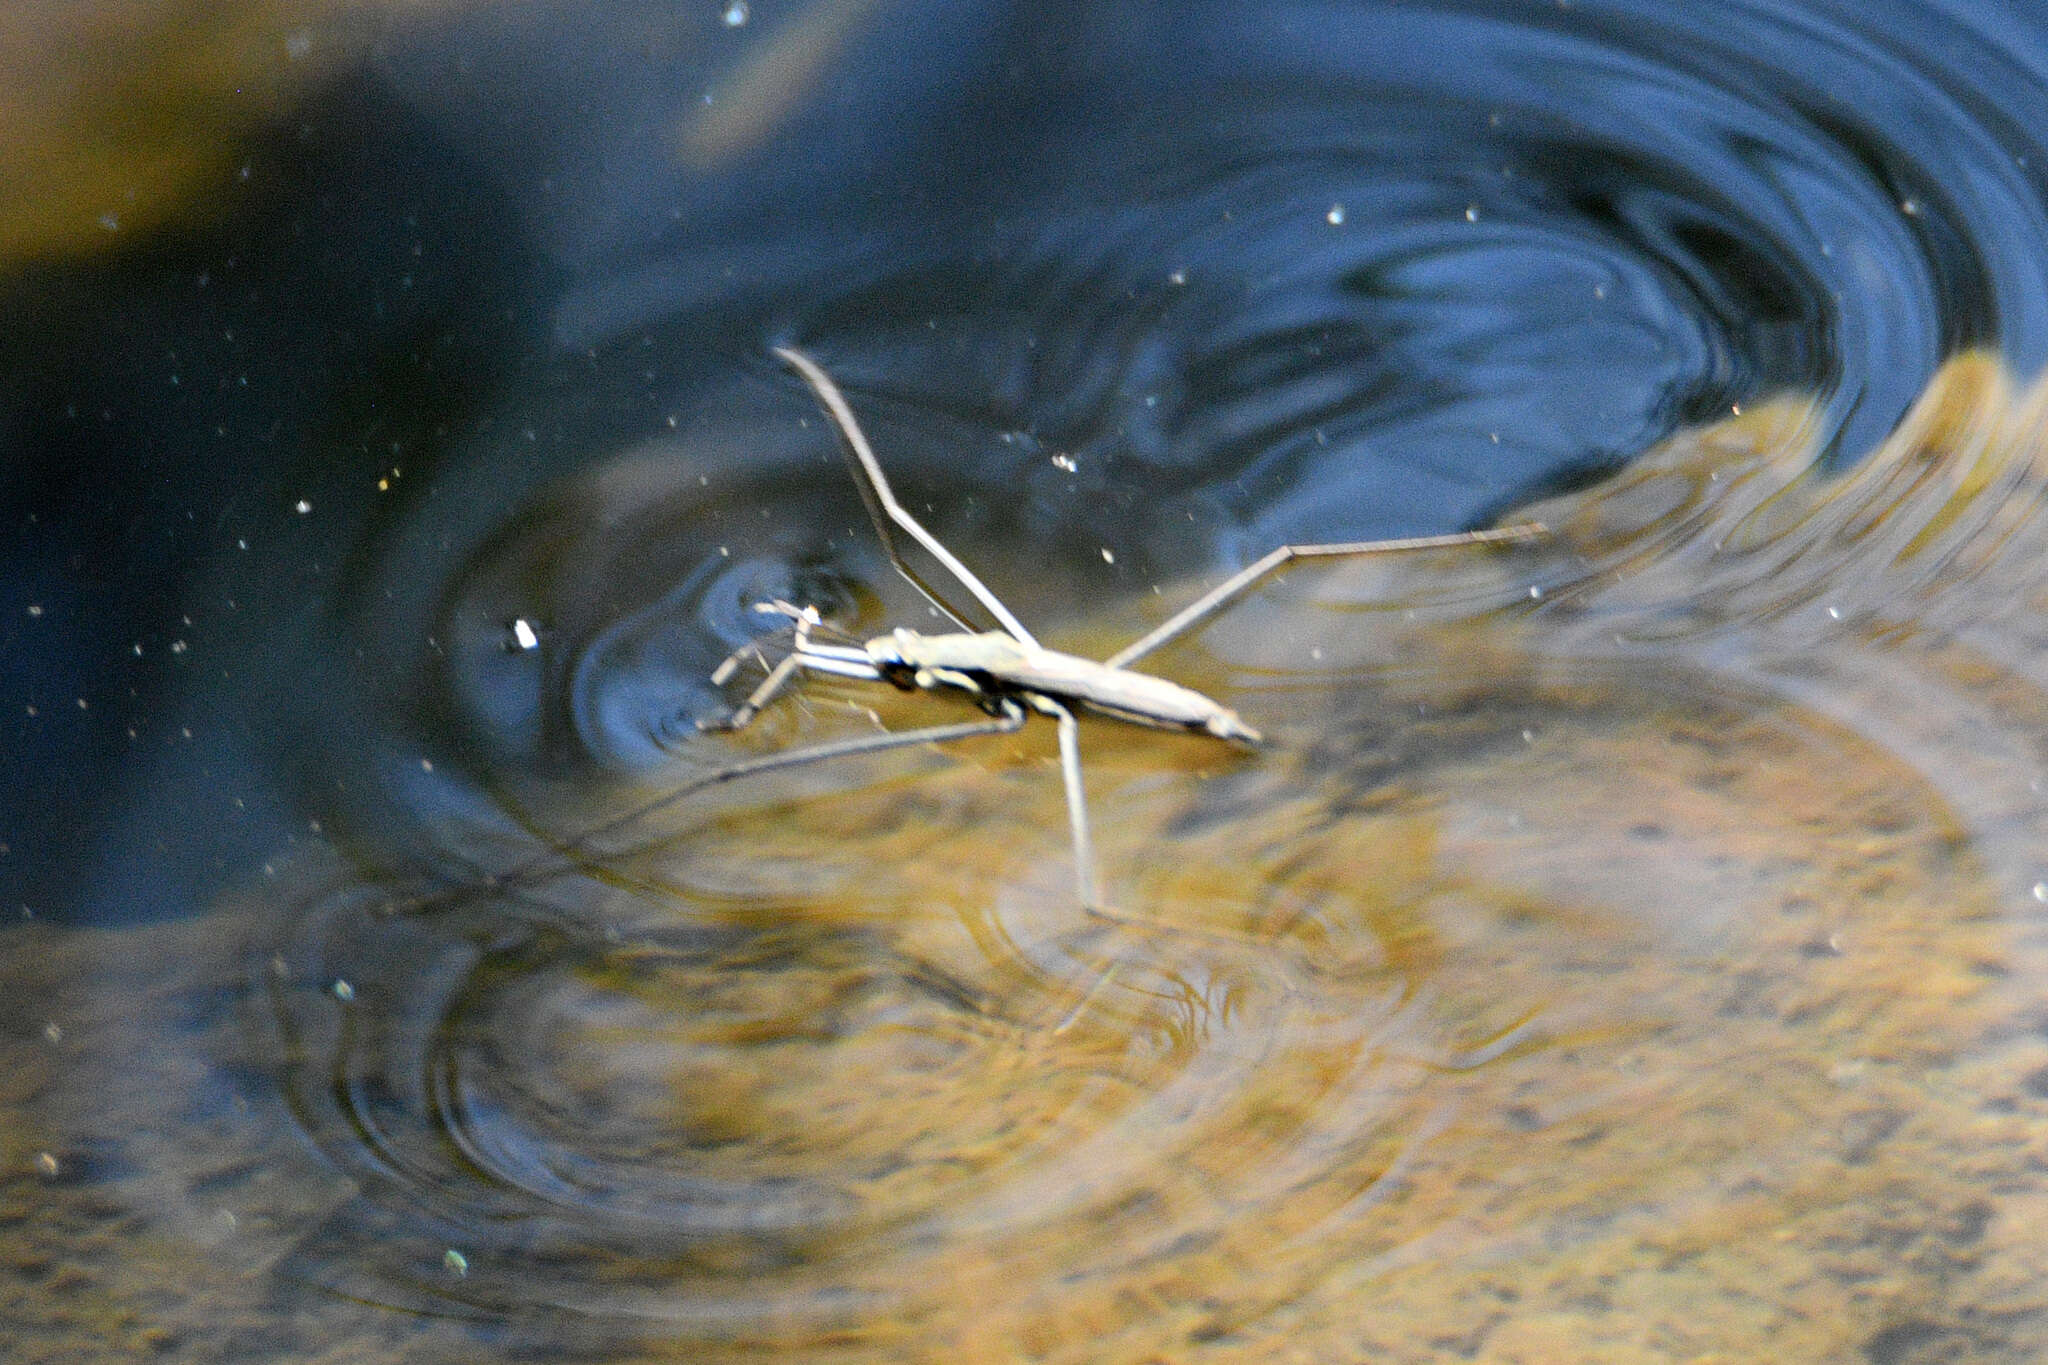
(1006, 671)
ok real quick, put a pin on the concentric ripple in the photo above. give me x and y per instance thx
(1575, 889)
(1738, 527)
(928, 1105)
(1388, 267)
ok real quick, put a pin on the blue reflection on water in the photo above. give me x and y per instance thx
(1251, 273)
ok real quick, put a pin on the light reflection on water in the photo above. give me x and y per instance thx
(1625, 950)
(1549, 978)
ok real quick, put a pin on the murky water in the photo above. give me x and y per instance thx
(1628, 948)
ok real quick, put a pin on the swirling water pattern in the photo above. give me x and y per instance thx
(1629, 924)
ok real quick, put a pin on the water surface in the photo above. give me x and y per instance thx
(1626, 949)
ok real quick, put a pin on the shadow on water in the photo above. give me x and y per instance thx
(1624, 950)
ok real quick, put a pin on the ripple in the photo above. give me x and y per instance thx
(912, 1089)
(1576, 884)
(1740, 527)
(1348, 288)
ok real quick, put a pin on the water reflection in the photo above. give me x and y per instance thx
(1624, 950)
(1584, 928)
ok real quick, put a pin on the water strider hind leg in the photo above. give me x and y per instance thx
(1077, 803)
(1235, 586)
(1086, 886)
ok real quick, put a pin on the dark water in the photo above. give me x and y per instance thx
(1628, 948)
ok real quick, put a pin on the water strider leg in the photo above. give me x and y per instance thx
(743, 715)
(1086, 887)
(750, 650)
(778, 677)
(563, 857)
(883, 507)
(1220, 596)
(1077, 802)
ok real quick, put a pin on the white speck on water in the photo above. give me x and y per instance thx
(524, 636)
(2041, 892)
(53, 1032)
(302, 507)
(1472, 213)
(1177, 277)
(457, 1263)
(1335, 216)
(1535, 593)
(735, 17)
(426, 765)
(1834, 613)
(35, 609)
(1107, 557)
(1910, 207)
(46, 1162)
(1066, 462)
(343, 991)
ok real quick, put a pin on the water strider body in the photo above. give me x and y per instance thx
(1007, 671)
(993, 661)
(990, 664)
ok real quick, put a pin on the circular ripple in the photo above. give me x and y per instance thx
(1443, 255)
(836, 1060)
(1375, 971)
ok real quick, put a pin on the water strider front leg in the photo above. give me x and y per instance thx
(778, 677)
